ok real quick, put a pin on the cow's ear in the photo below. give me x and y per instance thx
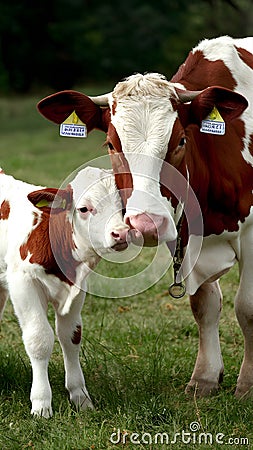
(229, 104)
(58, 107)
(51, 199)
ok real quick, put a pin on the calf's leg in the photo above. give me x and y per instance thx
(30, 307)
(69, 331)
(3, 299)
(206, 306)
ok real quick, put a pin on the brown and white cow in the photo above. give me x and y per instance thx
(50, 241)
(149, 120)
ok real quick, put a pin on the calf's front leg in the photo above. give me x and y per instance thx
(3, 298)
(206, 306)
(30, 307)
(69, 332)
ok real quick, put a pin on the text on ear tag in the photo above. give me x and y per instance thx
(213, 124)
(73, 127)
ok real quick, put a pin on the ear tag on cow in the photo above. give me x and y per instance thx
(213, 124)
(73, 127)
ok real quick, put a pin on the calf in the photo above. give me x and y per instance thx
(50, 241)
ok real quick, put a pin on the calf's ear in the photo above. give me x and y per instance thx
(229, 104)
(58, 107)
(51, 199)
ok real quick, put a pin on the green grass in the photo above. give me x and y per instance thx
(137, 353)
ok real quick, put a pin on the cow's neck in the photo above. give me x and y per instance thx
(221, 179)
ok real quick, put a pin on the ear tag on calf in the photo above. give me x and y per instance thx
(73, 127)
(61, 204)
(213, 124)
(42, 203)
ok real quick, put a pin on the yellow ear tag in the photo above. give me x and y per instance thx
(42, 203)
(214, 123)
(73, 127)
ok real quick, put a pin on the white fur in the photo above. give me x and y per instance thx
(31, 288)
(144, 120)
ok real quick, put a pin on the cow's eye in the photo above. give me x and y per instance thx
(182, 142)
(83, 210)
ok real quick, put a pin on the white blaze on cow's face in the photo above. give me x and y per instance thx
(97, 217)
(143, 117)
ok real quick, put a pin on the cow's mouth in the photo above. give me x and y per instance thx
(120, 246)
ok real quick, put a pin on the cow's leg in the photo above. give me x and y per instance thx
(69, 331)
(206, 306)
(30, 307)
(244, 312)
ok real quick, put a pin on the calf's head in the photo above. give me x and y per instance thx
(86, 216)
(145, 118)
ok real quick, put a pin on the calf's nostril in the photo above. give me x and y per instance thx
(120, 235)
(115, 235)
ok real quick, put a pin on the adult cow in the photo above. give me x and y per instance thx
(149, 116)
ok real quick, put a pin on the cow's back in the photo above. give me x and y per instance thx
(222, 61)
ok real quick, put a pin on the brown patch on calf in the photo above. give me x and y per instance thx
(77, 335)
(51, 244)
(5, 210)
(36, 219)
(251, 145)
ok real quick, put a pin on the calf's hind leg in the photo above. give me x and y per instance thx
(206, 307)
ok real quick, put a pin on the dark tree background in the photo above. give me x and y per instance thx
(60, 43)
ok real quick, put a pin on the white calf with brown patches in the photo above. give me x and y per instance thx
(50, 240)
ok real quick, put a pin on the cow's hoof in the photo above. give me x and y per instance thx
(201, 388)
(244, 391)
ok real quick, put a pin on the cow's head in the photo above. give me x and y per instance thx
(90, 209)
(145, 118)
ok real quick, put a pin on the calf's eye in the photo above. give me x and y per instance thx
(83, 210)
(182, 142)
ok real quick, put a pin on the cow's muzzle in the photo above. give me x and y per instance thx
(149, 229)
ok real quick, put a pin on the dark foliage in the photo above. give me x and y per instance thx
(60, 43)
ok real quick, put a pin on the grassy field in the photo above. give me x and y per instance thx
(137, 352)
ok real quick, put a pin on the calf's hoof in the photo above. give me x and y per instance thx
(41, 409)
(81, 400)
